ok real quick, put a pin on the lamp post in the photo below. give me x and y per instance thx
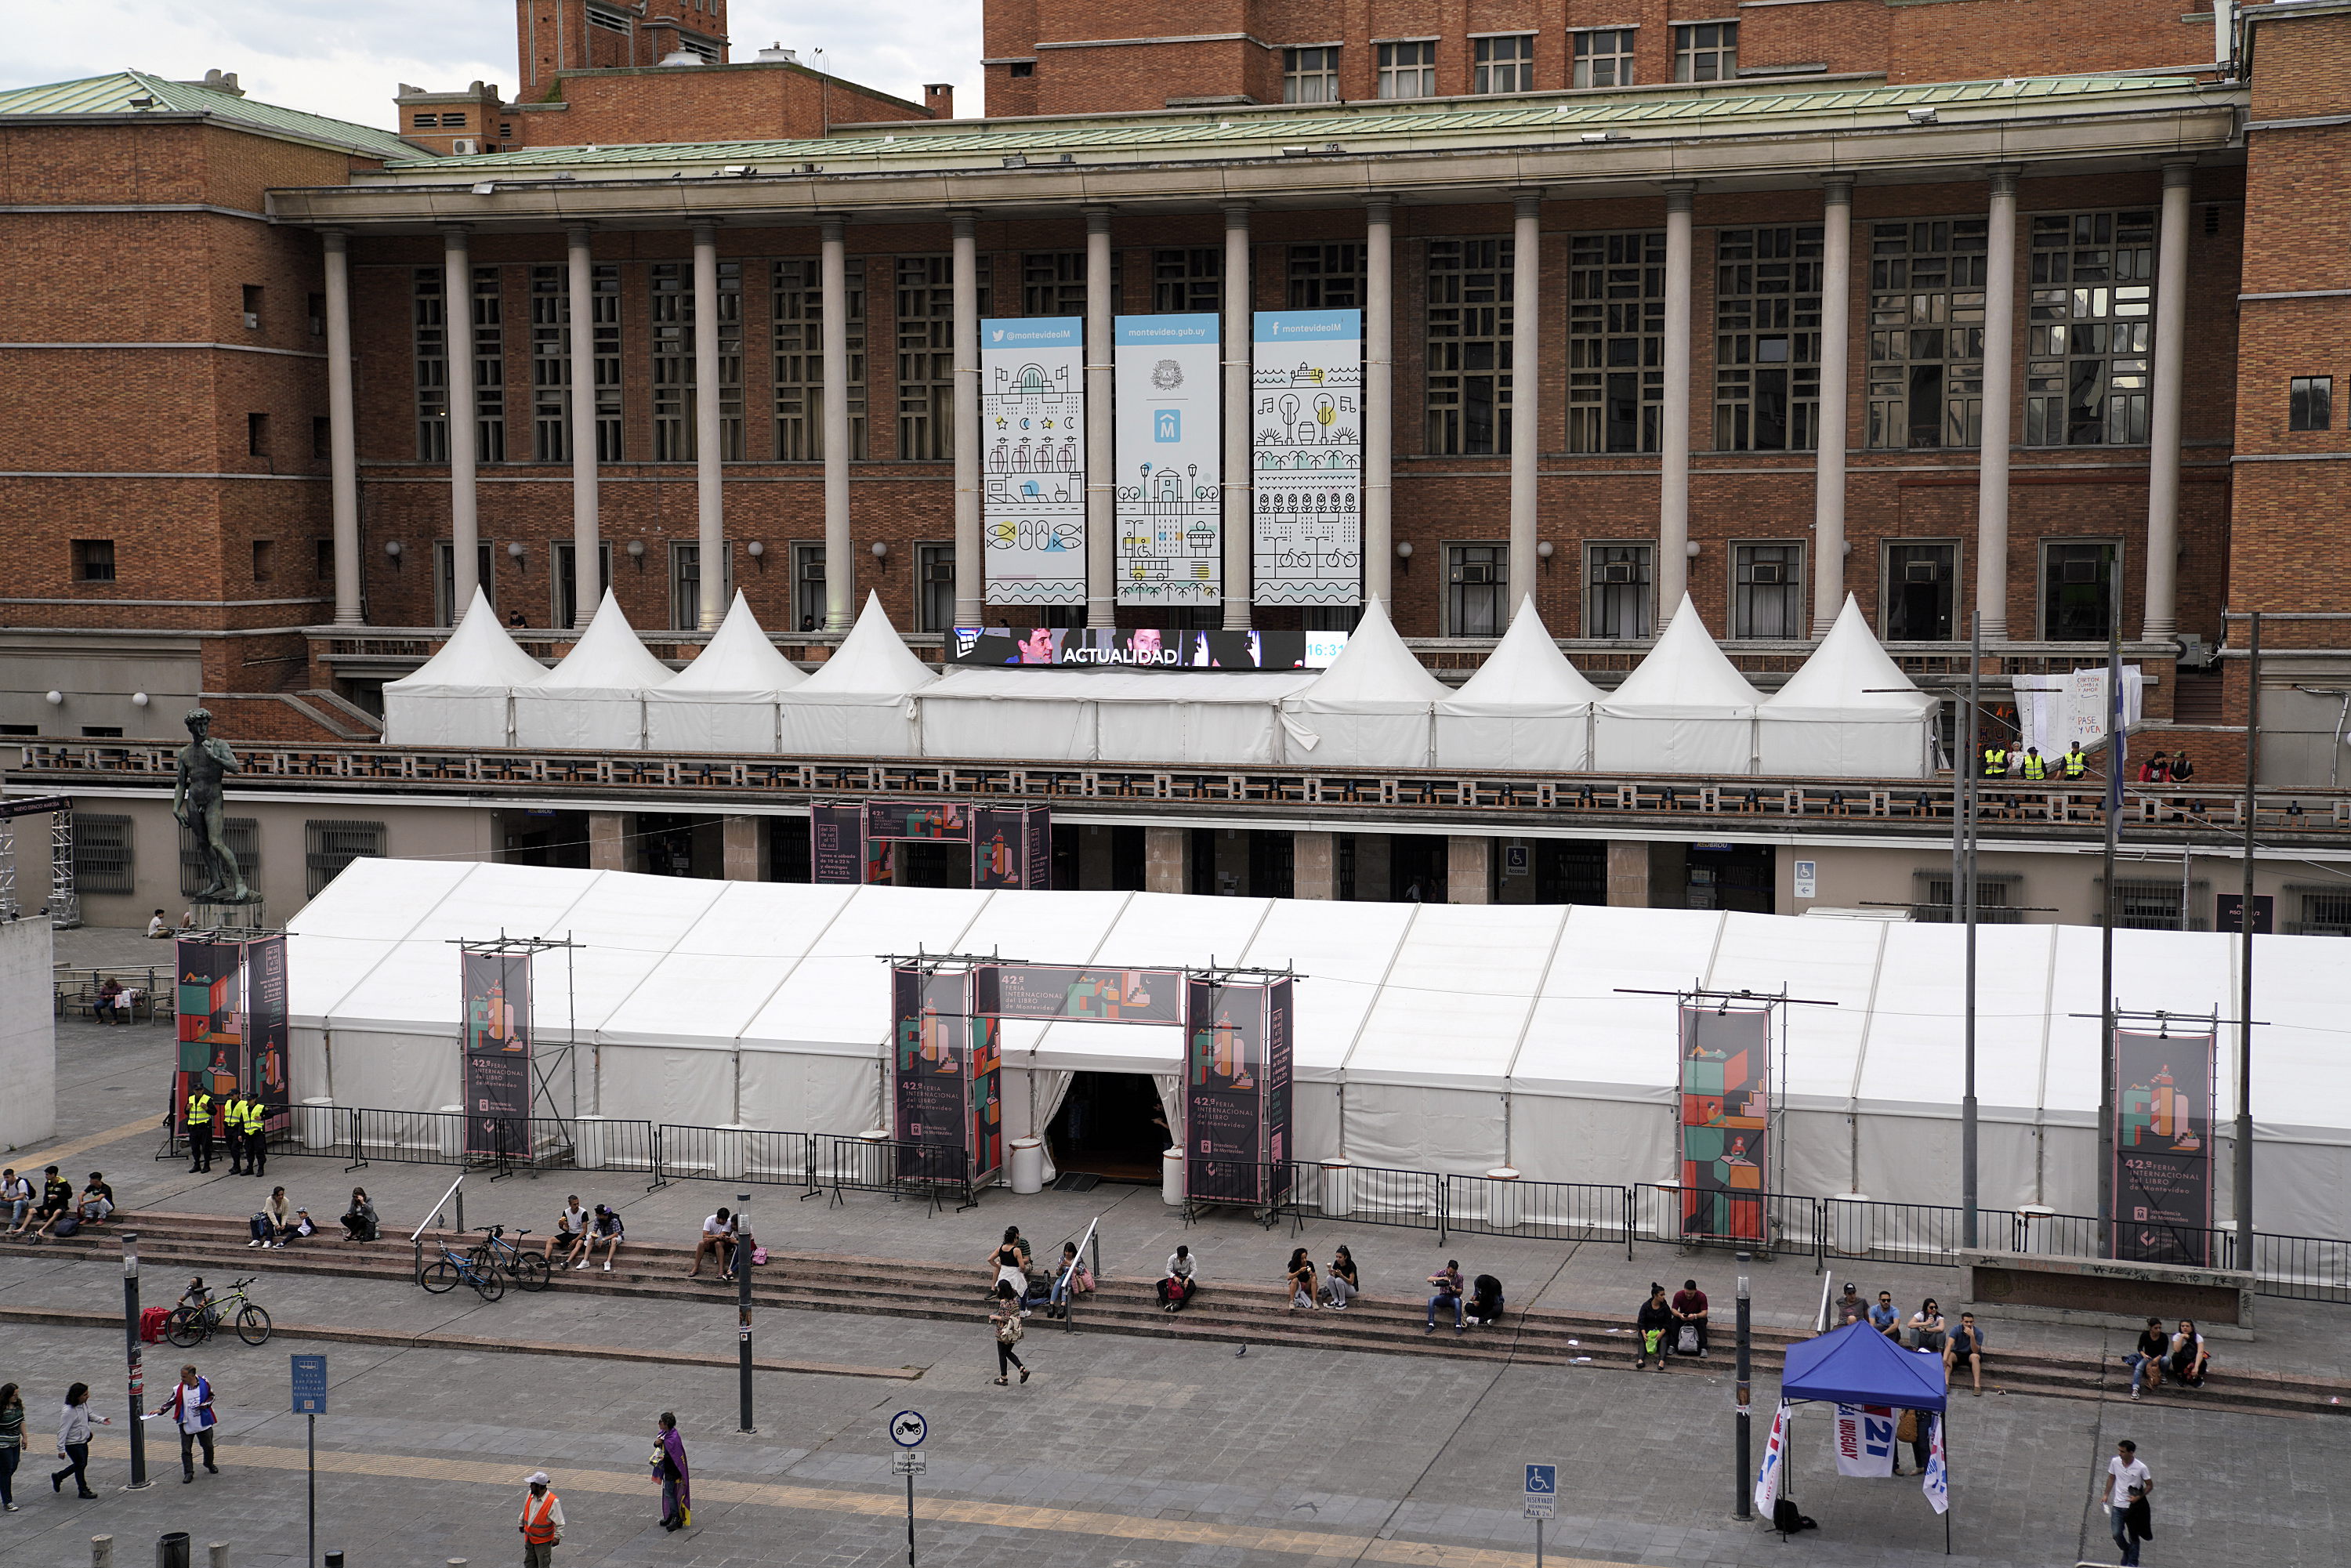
(1741, 1486)
(1963, 896)
(2244, 1139)
(743, 1309)
(2114, 762)
(135, 1357)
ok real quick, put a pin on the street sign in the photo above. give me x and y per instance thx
(908, 1462)
(1542, 1491)
(310, 1385)
(908, 1429)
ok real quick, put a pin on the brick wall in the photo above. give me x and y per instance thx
(752, 101)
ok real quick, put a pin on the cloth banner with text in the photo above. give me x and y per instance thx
(1237, 1048)
(1169, 499)
(1306, 432)
(1032, 432)
(1011, 846)
(2163, 1146)
(211, 1007)
(946, 1061)
(497, 1043)
(1726, 1055)
(1865, 1440)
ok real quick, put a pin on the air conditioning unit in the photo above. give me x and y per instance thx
(2081, 571)
(938, 571)
(1921, 571)
(1479, 573)
(1617, 571)
(252, 321)
(1767, 572)
(464, 147)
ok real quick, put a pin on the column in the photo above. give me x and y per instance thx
(1999, 395)
(840, 560)
(1469, 868)
(1314, 865)
(1232, 862)
(1374, 885)
(1673, 445)
(2163, 423)
(1167, 860)
(1101, 459)
(1238, 490)
(1526, 380)
(457, 336)
(1379, 408)
(342, 451)
(709, 495)
(586, 542)
(1628, 875)
(970, 568)
(1828, 464)
(607, 840)
(741, 843)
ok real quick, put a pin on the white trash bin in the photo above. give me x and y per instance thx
(317, 1121)
(1338, 1189)
(1505, 1198)
(1171, 1179)
(1849, 1225)
(1028, 1164)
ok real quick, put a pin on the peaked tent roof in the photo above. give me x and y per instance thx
(478, 657)
(1849, 670)
(871, 660)
(1526, 672)
(1374, 667)
(1685, 672)
(738, 658)
(1858, 1365)
(608, 657)
(113, 93)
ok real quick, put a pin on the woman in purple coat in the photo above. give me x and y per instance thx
(669, 1469)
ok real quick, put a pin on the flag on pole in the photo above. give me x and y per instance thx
(1937, 1484)
(1775, 1451)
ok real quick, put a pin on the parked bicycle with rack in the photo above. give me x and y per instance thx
(199, 1316)
(454, 1269)
(494, 1253)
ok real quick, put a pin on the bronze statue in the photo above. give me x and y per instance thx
(199, 801)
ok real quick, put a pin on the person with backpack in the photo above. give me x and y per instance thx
(1690, 1307)
(16, 1196)
(1651, 1325)
(1485, 1300)
(1006, 1320)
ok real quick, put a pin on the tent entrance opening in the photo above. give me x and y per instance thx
(1110, 1125)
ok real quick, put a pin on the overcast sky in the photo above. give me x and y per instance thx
(347, 57)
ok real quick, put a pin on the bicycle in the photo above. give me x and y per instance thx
(456, 1268)
(192, 1323)
(495, 1252)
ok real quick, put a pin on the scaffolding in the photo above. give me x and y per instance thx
(63, 904)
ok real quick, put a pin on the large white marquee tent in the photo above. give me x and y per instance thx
(1432, 1037)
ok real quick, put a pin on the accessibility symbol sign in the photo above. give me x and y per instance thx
(1542, 1491)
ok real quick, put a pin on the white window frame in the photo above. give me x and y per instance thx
(1392, 71)
(1721, 53)
(1321, 72)
(1583, 61)
(1791, 586)
(1486, 71)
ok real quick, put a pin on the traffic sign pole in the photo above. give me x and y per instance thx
(309, 1377)
(907, 1430)
(1542, 1500)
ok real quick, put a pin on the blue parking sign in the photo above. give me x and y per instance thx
(1542, 1499)
(310, 1385)
(1542, 1480)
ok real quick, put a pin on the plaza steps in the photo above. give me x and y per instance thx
(1235, 1314)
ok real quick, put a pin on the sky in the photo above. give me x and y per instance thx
(347, 57)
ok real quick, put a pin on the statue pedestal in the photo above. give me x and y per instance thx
(254, 917)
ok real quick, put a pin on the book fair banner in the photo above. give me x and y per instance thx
(2163, 1146)
(1306, 422)
(267, 1029)
(211, 1003)
(1170, 493)
(837, 845)
(1011, 846)
(945, 1075)
(1091, 995)
(1238, 1040)
(1726, 1115)
(1032, 422)
(496, 1040)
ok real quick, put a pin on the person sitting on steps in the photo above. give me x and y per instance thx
(1181, 1281)
(1651, 1326)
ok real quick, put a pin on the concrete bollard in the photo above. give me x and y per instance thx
(219, 1549)
(101, 1551)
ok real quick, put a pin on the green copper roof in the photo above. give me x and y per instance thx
(113, 95)
(1256, 132)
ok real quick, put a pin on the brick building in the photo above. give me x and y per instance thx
(1716, 232)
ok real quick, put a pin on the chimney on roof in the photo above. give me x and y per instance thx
(776, 54)
(939, 96)
(224, 82)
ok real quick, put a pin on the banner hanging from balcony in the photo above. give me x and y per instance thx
(496, 1041)
(1725, 1120)
(1170, 466)
(1236, 1063)
(2163, 1146)
(1307, 451)
(945, 1075)
(1033, 442)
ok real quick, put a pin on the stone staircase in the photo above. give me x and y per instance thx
(170, 1245)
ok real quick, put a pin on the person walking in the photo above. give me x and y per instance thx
(74, 1427)
(190, 1406)
(2126, 1474)
(198, 1122)
(256, 1136)
(541, 1523)
(669, 1469)
(12, 1444)
(1006, 1320)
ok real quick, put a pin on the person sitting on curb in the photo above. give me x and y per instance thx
(570, 1231)
(1966, 1349)
(1341, 1281)
(56, 1200)
(1885, 1317)
(2189, 1359)
(97, 1200)
(1071, 1277)
(1181, 1281)
(1485, 1300)
(1690, 1305)
(274, 1220)
(1848, 1308)
(360, 1220)
(718, 1237)
(1653, 1322)
(16, 1196)
(2146, 1361)
(607, 1231)
(1298, 1280)
(1448, 1284)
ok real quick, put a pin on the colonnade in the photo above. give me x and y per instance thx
(1530, 308)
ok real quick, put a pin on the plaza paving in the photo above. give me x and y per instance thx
(1123, 1451)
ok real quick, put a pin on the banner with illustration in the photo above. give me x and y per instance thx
(2163, 1146)
(267, 1029)
(1306, 423)
(945, 1076)
(837, 845)
(1775, 1462)
(1011, 846)
(496, 1037)
(1092, 995)
(1033, 442)
(1236, 1089)
(1169, 497)
(210, 1004)
(1726, 1055)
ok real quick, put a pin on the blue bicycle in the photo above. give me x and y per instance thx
(455, 1269)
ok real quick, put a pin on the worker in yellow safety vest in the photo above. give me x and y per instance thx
(199, 1124)
(2076, 765)
(1995, 761)
(231, 1132)
(257, 1134)
(2035, 768)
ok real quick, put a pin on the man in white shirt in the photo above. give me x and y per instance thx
(717, 1236)
(541, 1522)
(571, 1227)
(157, 925)
(2123, 1471)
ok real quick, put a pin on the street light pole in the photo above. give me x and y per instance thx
(2244, 1140)
(1743, 1486)
(2114, 762)
(136, 1358)
(743, 1308)
(1963, 894)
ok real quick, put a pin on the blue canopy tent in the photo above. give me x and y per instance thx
(1858, 1365)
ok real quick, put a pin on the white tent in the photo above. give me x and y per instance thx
(726, 699)
(857, 702)
(1373, 707)
(460, 696)
(1685, 710)
(1431, 1037)
(1216, 718)
(594, 700)
(1526, 707)
(1850, 712)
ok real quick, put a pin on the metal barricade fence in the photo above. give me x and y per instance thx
(2302, 1268)
(729, 1154)
(838, 1163)
(1551, 1210)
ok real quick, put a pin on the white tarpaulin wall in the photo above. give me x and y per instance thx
(856, 703)
(1850, 712)
(1527, 707)
(595, 699)
(460, 696)
(1113, 716)
(1373, 707)
(726, 699)
(1683, 709)
(1433, 1037)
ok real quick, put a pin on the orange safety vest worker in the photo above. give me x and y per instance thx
(542, 1517)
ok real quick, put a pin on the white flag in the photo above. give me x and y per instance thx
(1775, 1451)
(1865, 1440)
(1937, 1484)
